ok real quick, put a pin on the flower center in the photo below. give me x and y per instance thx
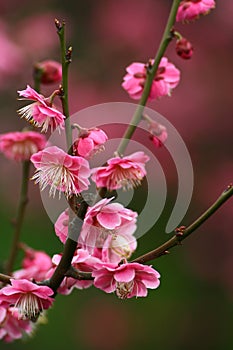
(121, 247)
(24, 148)
(123, 289)
(29, 307)
(127, 178)
(58, 177)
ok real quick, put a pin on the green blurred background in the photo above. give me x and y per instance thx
(193, 306)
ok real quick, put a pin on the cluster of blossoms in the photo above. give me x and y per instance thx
(106, 240)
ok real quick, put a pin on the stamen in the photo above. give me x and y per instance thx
(29, 307)
(123, 289)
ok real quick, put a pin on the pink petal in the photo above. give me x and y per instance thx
(109, 220)
(136, 67)
(139, 289)
(85, 146)
(126, 274)
(105, 282)
(3, 313)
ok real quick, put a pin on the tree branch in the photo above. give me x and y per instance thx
(184, 232)
(18, 222)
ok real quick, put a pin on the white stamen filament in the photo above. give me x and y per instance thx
(123, 289)
(27, 113)
(29, 306)
(127, 178)
(24, 148)
(58, 177)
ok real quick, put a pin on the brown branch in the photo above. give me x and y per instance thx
(78, 275)
(183, 232)
(5, 278)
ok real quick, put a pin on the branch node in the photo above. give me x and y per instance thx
(229, 187)
(69, 54)
(180, 233)
(58, 24)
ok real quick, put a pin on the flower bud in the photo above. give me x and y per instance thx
(51, 71)
(184, 48)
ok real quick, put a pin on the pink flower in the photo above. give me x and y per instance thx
(20, 146)
(184, 48)
(108, 245)
(11, 327)
(89, 142)
(166, 79)
(35, 265)
(127, 280)
(126, 172)
(29, 298)
(51, 71)
(191, 9)
(105, 219)
(65, 173)
(42, 112)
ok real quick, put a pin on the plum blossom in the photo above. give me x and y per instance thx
(127, 280)
(191, 9)
(110, 246)
(40, 113)
(29, 298)
(35, 265)
(105, 219)
(167, 78)
(51, 71)
(89, 142)
(11, 326)
(65, 173)
(20, 146)
(126, 172)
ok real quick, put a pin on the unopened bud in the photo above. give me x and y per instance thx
(51, 71)
(184, 48)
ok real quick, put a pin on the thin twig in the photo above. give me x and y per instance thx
(18, 222)
(79, 275)
(184, 232)
(78, 207)
(151, 72)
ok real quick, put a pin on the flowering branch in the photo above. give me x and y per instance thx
(184, 232)
(77, 205)
(18, 222)
(151, 71)
(65, 59)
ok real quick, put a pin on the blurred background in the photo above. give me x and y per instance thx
(193, 306)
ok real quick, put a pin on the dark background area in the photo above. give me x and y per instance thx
(193, 306)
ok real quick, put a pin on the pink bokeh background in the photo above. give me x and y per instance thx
(107, 36)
